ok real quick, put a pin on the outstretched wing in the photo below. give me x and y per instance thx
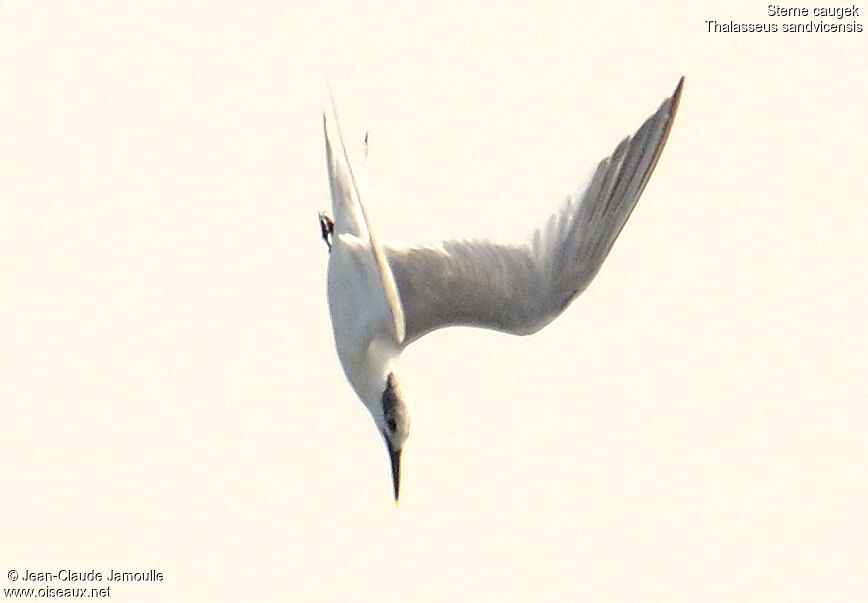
(351, 218)
(521, 288)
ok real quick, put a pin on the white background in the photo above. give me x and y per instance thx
(693, 428)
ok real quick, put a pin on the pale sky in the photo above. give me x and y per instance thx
(693, 428)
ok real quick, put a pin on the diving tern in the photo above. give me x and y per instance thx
(382, 297)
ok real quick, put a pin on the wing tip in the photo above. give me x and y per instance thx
(675, 99)
(673, 102)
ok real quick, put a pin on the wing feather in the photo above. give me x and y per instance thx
(521, 288)
(351, 217)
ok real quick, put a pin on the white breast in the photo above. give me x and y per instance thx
(360, 317)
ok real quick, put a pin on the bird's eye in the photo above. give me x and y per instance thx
(391, 424)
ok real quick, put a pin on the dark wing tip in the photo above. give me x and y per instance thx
(676, 96)
(672, 102)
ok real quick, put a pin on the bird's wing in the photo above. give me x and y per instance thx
(521, 288)
(345, 206)
(350, 218)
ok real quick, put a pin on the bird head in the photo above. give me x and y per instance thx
(392, 418)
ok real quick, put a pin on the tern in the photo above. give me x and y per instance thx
(383, 297)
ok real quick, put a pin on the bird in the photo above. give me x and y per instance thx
(383, 297)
